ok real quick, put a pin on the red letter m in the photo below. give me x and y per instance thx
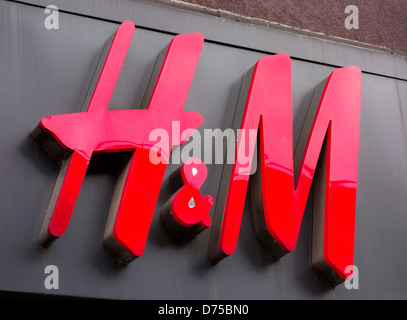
(330, 134)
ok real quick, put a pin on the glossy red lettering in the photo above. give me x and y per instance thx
(75, 137)
(280, 185)
(187, 211)
(279, 200)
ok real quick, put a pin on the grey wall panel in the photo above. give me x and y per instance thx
(44, 72)
(303, 45)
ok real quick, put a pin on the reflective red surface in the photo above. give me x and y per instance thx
(269, 107)
(189, 207)
(101, 130)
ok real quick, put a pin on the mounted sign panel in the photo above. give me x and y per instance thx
(265, 108)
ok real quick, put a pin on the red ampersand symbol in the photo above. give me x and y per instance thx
(187, 211)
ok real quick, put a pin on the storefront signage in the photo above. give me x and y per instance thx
(330, 136)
